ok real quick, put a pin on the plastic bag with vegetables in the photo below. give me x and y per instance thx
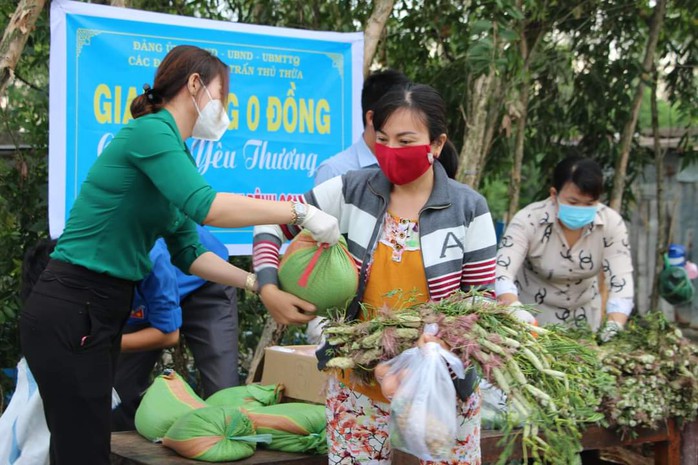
(423, 419)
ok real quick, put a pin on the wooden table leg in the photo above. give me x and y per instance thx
(669, 452)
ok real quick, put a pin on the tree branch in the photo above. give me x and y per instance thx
(15, 38)
(661, 207)
(29, 84)
(374, 29)
(629, 129)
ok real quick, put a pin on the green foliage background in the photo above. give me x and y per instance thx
(23, 178)
(581, 77)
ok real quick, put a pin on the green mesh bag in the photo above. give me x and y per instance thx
(250, 396)
(294, 427)
(325, 276)
(168, 398)
(214, 434)
(674, 284)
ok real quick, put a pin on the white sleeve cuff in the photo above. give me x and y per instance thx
(622, 305)
(505, 286)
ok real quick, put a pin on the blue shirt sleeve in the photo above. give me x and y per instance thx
(190, 283)
(211, 243)
(324, 172)
(159, 292)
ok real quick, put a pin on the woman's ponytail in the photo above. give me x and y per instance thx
(148, 102)
(449, 159)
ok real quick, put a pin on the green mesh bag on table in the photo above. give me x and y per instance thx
(250, 396)
(294, 427)
(213, 434)
(168, 398)
(324, 275)
(674, 284)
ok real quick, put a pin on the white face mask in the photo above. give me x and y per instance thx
(212, 121)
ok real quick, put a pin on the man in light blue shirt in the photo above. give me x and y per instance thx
(360, 153)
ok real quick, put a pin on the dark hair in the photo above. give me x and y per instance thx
(173, 73)
(585, 173)
(449, 159)
(34, 261)
(377, 85)
(431, 110)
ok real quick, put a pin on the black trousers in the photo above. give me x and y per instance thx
(210, 329)
(70, 329)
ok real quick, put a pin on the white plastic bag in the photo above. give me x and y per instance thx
(493, 410)
(423, 419)
(24, 437)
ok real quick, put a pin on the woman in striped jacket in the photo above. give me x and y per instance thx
(409, 227)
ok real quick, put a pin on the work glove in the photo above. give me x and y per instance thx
(521, 314)
(610, 330)
(323, 227)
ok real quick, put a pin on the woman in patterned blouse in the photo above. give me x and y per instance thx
(553, 252)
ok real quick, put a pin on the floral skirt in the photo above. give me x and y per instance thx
(357, 429)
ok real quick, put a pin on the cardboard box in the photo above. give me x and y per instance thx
(296, 368)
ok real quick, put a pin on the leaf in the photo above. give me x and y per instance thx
(508, 35)
(9, 313)
(516, 14)
(479, 26)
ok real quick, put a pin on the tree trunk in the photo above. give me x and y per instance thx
(120, 3)
(627, 137)
(374, 29)
(15, 37)
(479, 130)
(515, 184)
(661, 207)
(493, 118)
(257, 12)
(271, 335)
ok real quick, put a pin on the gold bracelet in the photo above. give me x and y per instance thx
(294, 214)
(250, 281)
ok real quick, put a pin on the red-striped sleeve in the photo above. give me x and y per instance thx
(479, 273)
(265, 253)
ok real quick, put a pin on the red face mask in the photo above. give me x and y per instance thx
(402, 165)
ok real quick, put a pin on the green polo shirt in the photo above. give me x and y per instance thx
(144, 185)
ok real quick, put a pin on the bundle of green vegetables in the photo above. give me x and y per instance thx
(553, 384)
(656, 371)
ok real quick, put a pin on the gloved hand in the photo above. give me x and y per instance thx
(323, 227)
(521, 314)
(610, 330)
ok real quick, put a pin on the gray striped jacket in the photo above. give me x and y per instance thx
(457, 237)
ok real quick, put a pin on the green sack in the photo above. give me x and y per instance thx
(250, 396)
(674, 284)
(213, 434)
(322, 275)
(168, 398)
(294, 427)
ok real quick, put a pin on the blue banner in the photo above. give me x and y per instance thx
(294, 99)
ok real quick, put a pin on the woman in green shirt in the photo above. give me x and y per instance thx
(144, 185)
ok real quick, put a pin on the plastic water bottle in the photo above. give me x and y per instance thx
(676, 254)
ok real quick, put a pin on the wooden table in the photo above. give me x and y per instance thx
(129, 448)
(667, 444)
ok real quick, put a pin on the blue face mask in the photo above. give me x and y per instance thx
(575, 217)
